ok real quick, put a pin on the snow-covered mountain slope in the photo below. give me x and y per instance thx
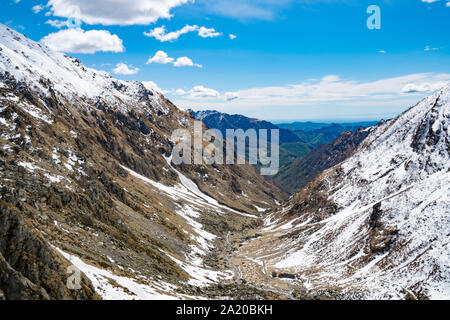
(36, 65)
(377, 225)
(84, 174)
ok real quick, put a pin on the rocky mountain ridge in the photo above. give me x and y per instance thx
(86, 182)
(375, 225)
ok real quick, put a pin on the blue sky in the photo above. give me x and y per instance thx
(290, 59)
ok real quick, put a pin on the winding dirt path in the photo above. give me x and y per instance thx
(238, 274)
(229, 248)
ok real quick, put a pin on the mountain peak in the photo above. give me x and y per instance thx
(36, 65)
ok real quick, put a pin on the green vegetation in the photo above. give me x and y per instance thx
(289, 152)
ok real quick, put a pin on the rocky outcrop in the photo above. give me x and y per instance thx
(29, 267)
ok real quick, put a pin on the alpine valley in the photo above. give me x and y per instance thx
(92, 207)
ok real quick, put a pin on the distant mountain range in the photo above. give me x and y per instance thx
(320, 133)
(297, 174)
(223, 121)
(306, 148)
(311, 126)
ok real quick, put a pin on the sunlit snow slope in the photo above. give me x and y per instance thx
(377, 225)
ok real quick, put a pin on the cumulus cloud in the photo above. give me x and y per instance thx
(186, 62)
(115, 12)
(208, 32)
(80, 41)
(232, 36)
(162, 35)
(160, 57)
(163, 58)
(122, 68)
(202, 92)
(37, 8)
(57, 23)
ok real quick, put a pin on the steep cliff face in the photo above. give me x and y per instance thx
(85, 178)
(29, 268)
(376, 225)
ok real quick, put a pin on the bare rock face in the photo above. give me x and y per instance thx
(31, 269)
(17, 287)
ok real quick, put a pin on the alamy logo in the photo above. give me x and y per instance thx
(74, 280)
(235, 147)
(374, 20)
(74, 20)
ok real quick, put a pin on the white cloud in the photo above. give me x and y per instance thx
(160, 57)
(186, 62)
(80, 41)
(208, 32)
(382, 51)
(429, 48)
(57, 23)
(232, 36)
(423, 87)
(180, 92)
(330, 78)
(447, 4)
(162, 35)
(117, 12)
(202, 92)
(122, 68)
(163, 58)
(330, 90)
(429, 1)
(37, 8)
